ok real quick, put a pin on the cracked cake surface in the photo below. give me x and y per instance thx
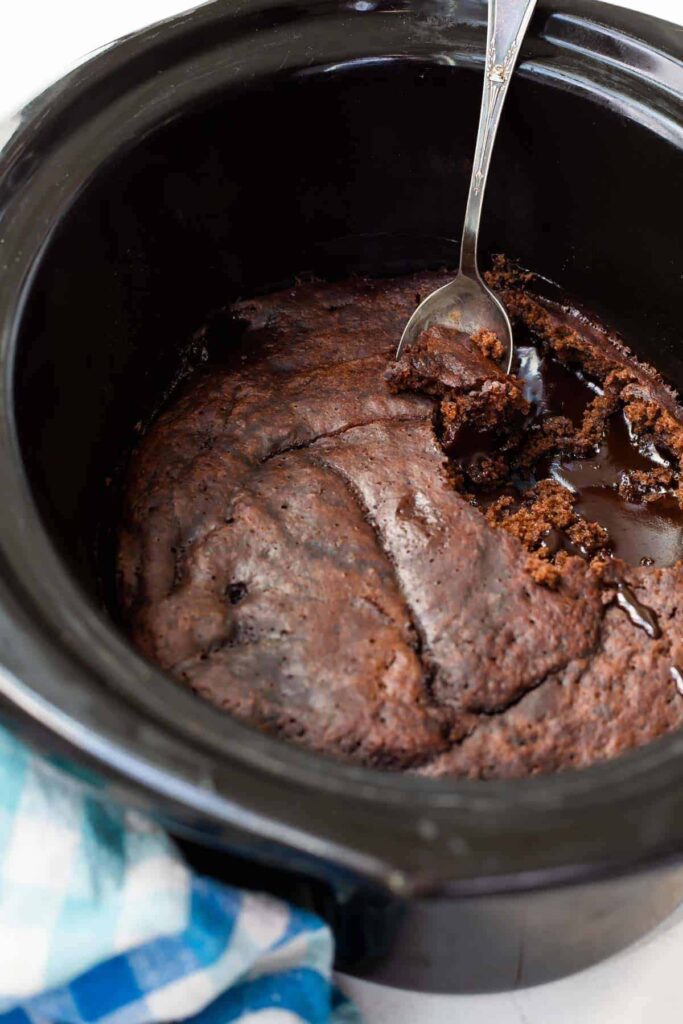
(425, 565)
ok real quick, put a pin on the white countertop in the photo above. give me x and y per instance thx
(39, 40)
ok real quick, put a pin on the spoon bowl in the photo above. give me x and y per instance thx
(467, 305)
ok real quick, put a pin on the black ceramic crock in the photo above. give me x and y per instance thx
(218, 154)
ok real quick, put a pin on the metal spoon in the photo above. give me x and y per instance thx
(466, 303)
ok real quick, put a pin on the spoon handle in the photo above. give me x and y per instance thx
(507, 24)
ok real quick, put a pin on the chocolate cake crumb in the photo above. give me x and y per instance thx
(489, 344)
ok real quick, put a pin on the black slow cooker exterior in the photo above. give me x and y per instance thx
(221, 153)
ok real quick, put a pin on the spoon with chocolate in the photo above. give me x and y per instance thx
(465, 303)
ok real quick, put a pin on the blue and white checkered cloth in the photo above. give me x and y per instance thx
(101, 921)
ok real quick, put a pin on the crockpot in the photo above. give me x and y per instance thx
(219, 154)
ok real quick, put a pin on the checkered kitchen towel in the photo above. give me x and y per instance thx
(102, 921)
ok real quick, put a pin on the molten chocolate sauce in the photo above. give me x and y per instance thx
(649, 532)
(641, 532)
(551, 387)
(639, 613)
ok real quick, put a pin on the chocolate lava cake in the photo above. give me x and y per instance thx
(422, 565)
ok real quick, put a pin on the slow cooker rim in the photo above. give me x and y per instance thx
(533, 797)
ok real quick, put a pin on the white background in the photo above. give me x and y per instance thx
(39, 40)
